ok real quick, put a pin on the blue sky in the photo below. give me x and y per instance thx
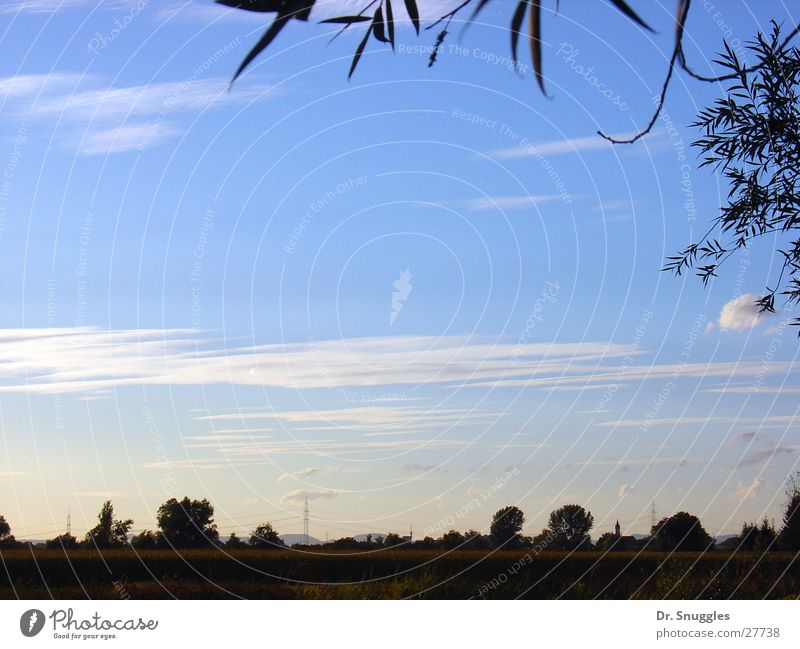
(413, 298)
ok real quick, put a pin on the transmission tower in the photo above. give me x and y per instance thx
(69, 522)
(305, 523)
(653, 515)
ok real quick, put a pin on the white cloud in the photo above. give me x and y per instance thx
(779, 420)
(741, 313)
(373, 421)
(748, 492)
(88, 361)
(624, 490)
(85, 360)
(557, 147)
(300, 495)
(100, 119)
(298, 475)
(508, 203)
(757, 389)
(40, 6)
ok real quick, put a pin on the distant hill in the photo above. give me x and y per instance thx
(291, 539)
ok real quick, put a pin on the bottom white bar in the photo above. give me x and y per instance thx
(400, 624)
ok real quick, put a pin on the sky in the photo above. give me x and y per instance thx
(412, 298)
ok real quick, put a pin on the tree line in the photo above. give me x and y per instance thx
(188, 524)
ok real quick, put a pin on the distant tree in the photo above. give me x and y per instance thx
(145, 540)
(264, 537)
(474, 540)
(188, 523)
(6, 537)
(392, 539)
(681, 532)
(234, 542)
(755, 538)
(790, 532)
(608, 542)
(63, 541)
(109, 532)
(427, 543)
(570, 526)
(506, 527)
(451, 539)
(344, 543)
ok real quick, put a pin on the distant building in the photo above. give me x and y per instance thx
(624, 542)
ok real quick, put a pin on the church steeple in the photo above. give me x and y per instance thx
(616, 528)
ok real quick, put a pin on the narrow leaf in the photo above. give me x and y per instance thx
(274, 29)
(630, 13)
(346, 20)
(251, 5)
(516, 25)
(377, 26)
(536, 42)
(390, 22)
(359, 51)
(413, 13)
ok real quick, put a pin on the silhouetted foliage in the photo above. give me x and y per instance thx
(752, 136)
(109, 532)
(609, 542)
(378, 19)
(451, 540)
(681, 532)
(146, 540)
(188, 523)
(392, 539)
(234, 542)
(790, 532)
(474, 540)
(755, 537)
(570, 526)
(7, 539)
(62, 542)
(265, 537)
(506, 527)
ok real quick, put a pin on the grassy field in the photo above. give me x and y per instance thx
(392, 574)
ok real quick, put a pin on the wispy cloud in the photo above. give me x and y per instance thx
(300, 495)
(85, 360)
(766, 455)
(40, 6)
(372, 421)
(106, 495)
(779, 420)
(99, 119)
(298, 475)
(743, 438)
(556, 147)
(509, 203)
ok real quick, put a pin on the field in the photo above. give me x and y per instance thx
(393, 574)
